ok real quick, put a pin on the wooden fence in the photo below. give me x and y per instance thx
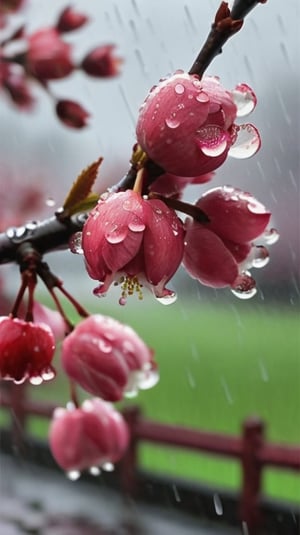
(250, 449)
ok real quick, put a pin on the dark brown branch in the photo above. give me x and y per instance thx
(44, 236)
(225, 25)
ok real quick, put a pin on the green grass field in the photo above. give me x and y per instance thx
(218, 365)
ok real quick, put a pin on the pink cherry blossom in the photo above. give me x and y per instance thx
(101, 63)
(139, 238)
(187, 126)
(220, 252)
(26, 350)
(48, 56)
(107, 358)
(70, 20)
(88, 437)
(71, 113)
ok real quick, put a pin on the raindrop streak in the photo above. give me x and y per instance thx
(226, 391)
(263, 371)
(176, 494)
(73, 475)
(218, 504)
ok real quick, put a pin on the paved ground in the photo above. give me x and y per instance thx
(35, 500)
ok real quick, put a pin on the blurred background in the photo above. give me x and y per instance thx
(230, 358)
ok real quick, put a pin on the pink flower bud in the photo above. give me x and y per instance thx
(108, 359)
(52, 318)
(16, 84)
(220, 252)
(26, 350)
(139, 238)
(186, 125)
(70, 20)
(101, 63)
(71, 113)
(48, 56)
(88, 437)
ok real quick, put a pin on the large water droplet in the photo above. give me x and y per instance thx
(73, 475)
(247, 142)
(136, 226)
(244, 99)
(179, 89)
(270, 236)
(149, 379)
(202, 97)
(244, 286)
(36, 380)
(108, 467)
(261, 257)
(212, 140)
(48, 375)
(116, 234)
(75, 243)
(218, 504)
(104, 346)
(172, 122)
(50, 202)
(167, 299)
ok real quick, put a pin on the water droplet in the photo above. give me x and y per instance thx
(73, 475)
(94, 470)
(48, 375)
(244, 286)
(122, 301)
(36, 380)
(50, 202)
(116, 234)
(212, 140)
(247, 142)
(261, 256)
(104, 346)
(202, 97)
(130, 394)
(75, 243)
(179, 89)
(271, 236)
(244, 99)
(136, 226)
(108, 467)
(218, 504)
(70, 406)
(148, 379)
(167, 299)
(172, 122)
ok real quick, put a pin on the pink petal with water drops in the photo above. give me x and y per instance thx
(234, 214)
(207, 259)
(163, 242)
(247, 142)
(244, 99)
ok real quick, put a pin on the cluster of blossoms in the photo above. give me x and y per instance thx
(135, 237)
(44, 56)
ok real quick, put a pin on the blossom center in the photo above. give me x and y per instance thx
(129, 286)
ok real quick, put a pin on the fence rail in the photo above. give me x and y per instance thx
(250, 449)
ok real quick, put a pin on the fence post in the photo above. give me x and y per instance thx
(129, 463)
(252, 439)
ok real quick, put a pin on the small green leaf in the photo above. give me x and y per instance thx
(85, 205)
(81, 190)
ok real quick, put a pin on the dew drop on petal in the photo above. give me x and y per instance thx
(104, 346)
(136, 226)
(48, 375)
(247, 142)
(172, 122)
(270, 236)
(116, 234)
(94, 470)
(75, 243)
(131, 393)
(179, 89)
(167, 299)
(261, 257)
(108, 467)
(244, 99)
(212, 140)
(73, 475)
(202, 97)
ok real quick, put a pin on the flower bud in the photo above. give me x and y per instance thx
(90, 436)
(71, 113)
(108, 359)
(101, 63)
(48, 56)
(70, 20)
